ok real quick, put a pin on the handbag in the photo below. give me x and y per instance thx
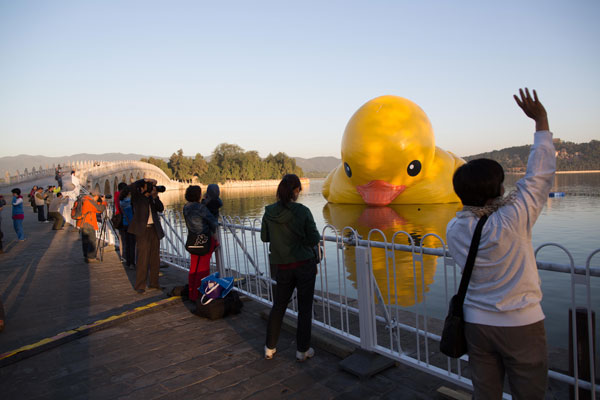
(214, 287)
(453, 342)
(117, 220)
(198, 244)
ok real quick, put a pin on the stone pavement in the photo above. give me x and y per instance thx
(165, 353)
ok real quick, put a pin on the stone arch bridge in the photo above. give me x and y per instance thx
(104, 177)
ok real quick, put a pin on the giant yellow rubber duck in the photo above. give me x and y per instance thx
(389, 156)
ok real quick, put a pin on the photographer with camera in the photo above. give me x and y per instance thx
(91, 204)
(147, 229)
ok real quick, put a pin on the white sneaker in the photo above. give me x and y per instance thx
(303, 356)
(269, 353)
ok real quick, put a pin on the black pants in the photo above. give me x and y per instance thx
(40, 210)
(128, 242)
(88, 242)
(303, 279)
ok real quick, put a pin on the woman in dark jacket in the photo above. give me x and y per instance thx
(291, 230)
(199, 220)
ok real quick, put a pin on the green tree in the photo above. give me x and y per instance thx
(199, 165)
(181, 165)
(160, 164)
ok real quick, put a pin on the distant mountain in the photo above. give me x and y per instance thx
(317, 166)
(569, 156)
(22, 161)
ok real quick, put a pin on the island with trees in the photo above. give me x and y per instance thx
(228, 162)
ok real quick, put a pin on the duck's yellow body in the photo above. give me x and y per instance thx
(389, 156)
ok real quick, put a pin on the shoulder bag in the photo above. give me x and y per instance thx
(453, 342)
(198, 244)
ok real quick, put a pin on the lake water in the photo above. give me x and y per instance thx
(572, 221)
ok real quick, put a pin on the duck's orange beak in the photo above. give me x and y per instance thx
(379, 193)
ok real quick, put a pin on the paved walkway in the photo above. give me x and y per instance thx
(164, 352)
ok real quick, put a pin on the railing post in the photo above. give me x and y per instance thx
(366, 299)
(219, 254)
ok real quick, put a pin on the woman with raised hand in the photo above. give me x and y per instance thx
(504, 321)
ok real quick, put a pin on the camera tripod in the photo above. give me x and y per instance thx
(102, 243)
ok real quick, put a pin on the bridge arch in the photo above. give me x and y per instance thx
(97, 188)
(109, 175)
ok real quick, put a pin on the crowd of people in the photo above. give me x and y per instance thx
(504, 321)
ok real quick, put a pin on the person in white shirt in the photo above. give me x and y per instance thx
(76, 183)
(504, 321)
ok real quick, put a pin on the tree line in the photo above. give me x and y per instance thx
(227, 162)
(569, 156)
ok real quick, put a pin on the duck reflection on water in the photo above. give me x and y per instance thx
(415, 219)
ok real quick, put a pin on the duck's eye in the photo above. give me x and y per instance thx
(414, 168)
(348, 170)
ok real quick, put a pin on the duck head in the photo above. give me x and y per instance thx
(387, 147)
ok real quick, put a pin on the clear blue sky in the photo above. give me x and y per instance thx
(151, 77)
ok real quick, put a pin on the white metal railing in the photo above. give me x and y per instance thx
(366, 316)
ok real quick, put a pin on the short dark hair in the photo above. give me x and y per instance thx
(478, 181)
(285, 190)
(17, 191)
(193, 193)
(121, 186)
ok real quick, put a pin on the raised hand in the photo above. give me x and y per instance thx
(533, 108)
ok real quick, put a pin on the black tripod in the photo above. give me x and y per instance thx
(102, 242)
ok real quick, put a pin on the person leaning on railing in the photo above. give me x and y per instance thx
(290, 229)
(199, 220)
(504, 321)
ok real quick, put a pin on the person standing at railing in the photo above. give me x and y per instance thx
(213, 202)
(290, 229)
(147, 229)
(75, 182)
(128, 239)
(199, 220)
(504, 321)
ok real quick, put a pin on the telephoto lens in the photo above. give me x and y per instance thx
(160, 189)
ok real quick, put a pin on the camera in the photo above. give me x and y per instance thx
(150, 186)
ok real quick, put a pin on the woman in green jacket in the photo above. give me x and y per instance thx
(291, 230)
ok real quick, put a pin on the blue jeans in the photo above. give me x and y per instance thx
(302, 278)
(18, 225)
